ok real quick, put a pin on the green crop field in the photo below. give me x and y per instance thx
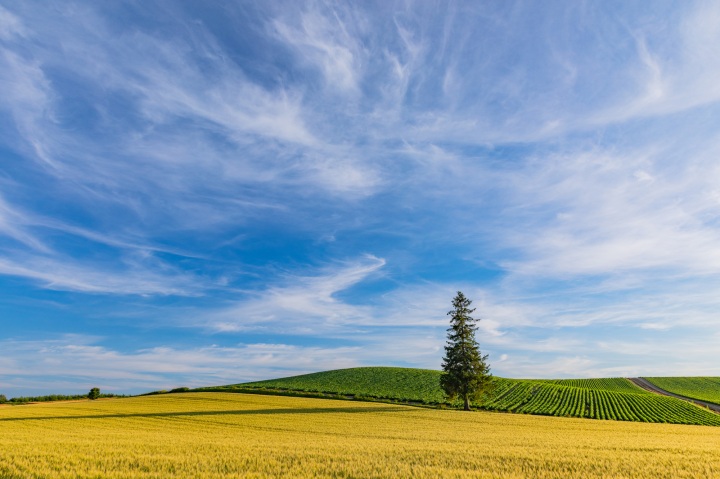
(612, 398)
(402, 384)
(556, 400)
(218, 435)
(604, 384)
(703, 388)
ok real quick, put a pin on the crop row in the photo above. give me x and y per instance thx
(557, 400)
(605, 384)
(703, 388)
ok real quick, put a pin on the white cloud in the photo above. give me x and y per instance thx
(11, 224)
(607, 222)
(664, 355)
(325, 40)
(231, 102)
(673, 75)
(186, 96)
(139, 270)
(74, 363)
(28, 98)
(68, 274)
(10, 25)
(301, 304)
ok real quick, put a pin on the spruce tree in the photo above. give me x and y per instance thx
(466, 373)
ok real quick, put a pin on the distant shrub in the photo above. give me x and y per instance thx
(3, 399)
(180, 390)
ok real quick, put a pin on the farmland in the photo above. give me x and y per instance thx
(402, 384)
(604, 384)
(703, 388)
(556, 400)
(611, 398)
(217, 435)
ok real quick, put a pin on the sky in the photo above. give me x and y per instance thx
(205, 193)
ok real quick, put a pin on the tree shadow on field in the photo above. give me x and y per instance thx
(244, 412)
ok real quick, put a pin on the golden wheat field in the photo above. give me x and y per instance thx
(218, 435)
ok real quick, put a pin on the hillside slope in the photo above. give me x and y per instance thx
(401, 384)
(702, 388)
(606, 384)
(609, 398)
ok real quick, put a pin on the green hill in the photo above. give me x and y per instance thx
(702, 388)
(605, 384)
(607, 398)
(401, 384)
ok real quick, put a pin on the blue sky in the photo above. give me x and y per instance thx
(196, 194)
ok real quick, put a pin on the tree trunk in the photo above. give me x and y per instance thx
(467, 403)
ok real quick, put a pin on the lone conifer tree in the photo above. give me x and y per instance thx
(465, 372)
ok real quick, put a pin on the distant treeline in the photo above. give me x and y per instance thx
(52, 397)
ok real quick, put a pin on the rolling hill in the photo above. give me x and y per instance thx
(607, 398)
(702, 388)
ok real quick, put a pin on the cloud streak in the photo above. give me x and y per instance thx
(302, 304)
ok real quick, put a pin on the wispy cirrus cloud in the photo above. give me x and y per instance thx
(328, 40)
(139, 272)
(10, 25)
(187, 109)
(301, 304)
(604, 213)
(135, 278)
(160, 167)
(12, 225)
